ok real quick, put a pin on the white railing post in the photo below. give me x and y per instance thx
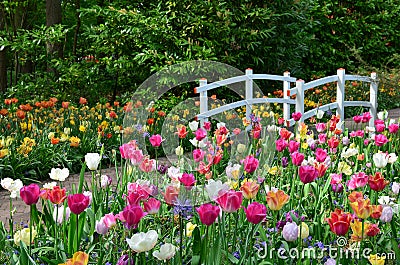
(300, 98)
(249, 92)
(203, 100)
(340, 93)
(286, 106)
(373, 98)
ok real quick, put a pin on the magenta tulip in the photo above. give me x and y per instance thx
(187, 180)
(131, 216)
(208, 213)
(255, 212)
(30, 194)
(230, 201)
(380, 139)
(198, 155)
(156, 140)
(77, 203)
(250, 164)
(200, 134)
(307, 174)
(293, 146)
(393, 128)
(296, 116)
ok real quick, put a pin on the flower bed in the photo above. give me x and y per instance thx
(281, 197)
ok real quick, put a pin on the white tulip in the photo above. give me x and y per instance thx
(13, 186)
(392, 157)
(214, 188)
(395, 188)
(59, 174)
(141, 242)
(92, 160)
(380, 159)
(194, 125)
(58, 214)
(319, 114)
(167, 251)
(179, 151)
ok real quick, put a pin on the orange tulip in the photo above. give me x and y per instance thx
(79, 258)
(276, 199)
(20, 114)
(376, 211)
(355, 196)
(82, 101)
(55, 140)
(362, 208)
(249, 189)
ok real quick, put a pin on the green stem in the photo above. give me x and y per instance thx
(11, 224)
(30, 230)
(55, 234)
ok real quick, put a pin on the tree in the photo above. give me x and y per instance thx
(53, 17)
(3, 59)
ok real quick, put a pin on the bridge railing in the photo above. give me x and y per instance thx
(289, 91)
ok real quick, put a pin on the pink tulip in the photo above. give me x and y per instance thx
(320, 154)
(101, 227)
(297, 158)
(109, 220)
(230, 201)
(126, 150)
(322, 138)
(380, 139)
(250, 164)
(379, 126)
(320, 127)
(200, 134)
(208, 213)
(131, 216)
(30, 194)
(307, 174)
(280, 144)
(358, 180)
(171, 194)
(393, 128)
(255, 212)
(156, 140)
(77, 203)
(296, 116)
(198, 155)
(136, 157)
(293, 146)
(147, 165)
(152, 206)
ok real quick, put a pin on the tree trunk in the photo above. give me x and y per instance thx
(53, 17)
(3, 62)
(78, 25)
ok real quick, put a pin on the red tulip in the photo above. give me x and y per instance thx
(182, 132)
(30, 194)
(230, 201)
(307, 174)
(339, 222)
(56, 195)
(255, 212)
(377, 182)
(77, 203)
(208, 213)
